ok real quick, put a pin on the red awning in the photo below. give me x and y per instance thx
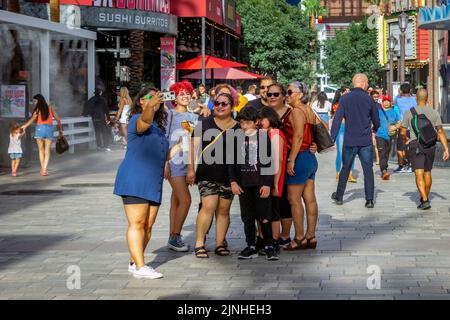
(210, 63)
(225, 73)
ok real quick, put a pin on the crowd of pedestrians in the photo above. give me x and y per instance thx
(260, 147)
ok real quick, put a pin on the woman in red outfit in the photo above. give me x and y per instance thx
(301, 166)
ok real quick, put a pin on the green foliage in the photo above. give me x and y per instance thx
(278, 39)
(313, 8)
(352, 51)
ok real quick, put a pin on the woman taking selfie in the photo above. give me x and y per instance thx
(140, 176)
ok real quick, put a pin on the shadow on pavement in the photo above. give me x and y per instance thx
(17, 248)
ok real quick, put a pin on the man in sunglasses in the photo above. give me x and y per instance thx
(264, 85)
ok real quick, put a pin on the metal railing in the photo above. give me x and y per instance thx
(77, 130)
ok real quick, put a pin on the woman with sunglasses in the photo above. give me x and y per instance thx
(301, 166)
(180, 124)
(139, 179)
(212, 173)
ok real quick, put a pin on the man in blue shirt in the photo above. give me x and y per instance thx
(405, 102)
(360, 112)
(389, 125)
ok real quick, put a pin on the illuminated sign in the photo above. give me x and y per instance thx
(162, 6)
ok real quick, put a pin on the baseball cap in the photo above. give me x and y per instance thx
(386, 97)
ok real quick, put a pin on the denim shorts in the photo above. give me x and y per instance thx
(14, 156)
(44, 131)
(305, 168)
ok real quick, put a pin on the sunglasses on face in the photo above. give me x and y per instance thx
(221, 104)
(264, 87)
(273, 94)
(290, 92)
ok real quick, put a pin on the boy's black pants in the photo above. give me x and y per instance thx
(253, 207)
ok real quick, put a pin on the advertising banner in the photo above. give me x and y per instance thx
(168, 60)
(13, 99)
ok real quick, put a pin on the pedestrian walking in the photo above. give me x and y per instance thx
(323, 107)
(15, 146)
(211, 174)
(425, 127)
(360, 113)
(375, 96)
(123, 114)
(340, 137)
(180, 124)
(252, 184)
(139, 179)
(404, 102)
(301, 167)
(389, 125)
(97, 108)
(43, 114)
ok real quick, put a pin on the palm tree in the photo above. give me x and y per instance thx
(54, 10)
(136, 59)
(313, 9)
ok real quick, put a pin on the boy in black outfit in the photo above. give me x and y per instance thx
(252, 183)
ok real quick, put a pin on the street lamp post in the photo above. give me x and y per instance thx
(403, 24)
(392, 44)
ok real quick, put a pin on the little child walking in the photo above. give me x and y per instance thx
(253, 184)
(15, 148)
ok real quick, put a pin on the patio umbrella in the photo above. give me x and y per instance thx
(210, 63)
(225, 73)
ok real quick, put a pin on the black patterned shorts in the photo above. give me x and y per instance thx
(210, 188)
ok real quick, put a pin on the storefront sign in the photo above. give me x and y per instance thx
(168, 57)
(128, 19)
(229, 9)
(162, 6)
(13, 98)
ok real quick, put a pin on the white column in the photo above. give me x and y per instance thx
(91, 68)
(45, 64)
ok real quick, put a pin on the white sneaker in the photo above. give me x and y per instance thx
(131, 267)
(146, 273)
(108, 149)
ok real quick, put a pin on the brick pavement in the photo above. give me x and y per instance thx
(41, 236)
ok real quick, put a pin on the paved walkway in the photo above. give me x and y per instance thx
(83, 225)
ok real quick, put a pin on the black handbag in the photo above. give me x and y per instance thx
(61, 144)
(321, 136)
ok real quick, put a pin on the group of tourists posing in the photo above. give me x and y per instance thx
(264, 153)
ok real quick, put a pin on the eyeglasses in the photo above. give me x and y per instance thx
(290, 92)
(147, 97)
(221, 104)
(264, 87)
(274, 94)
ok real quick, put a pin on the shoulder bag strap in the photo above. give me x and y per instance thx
(414, 124)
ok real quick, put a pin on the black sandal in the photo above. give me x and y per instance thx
(299, 245)
(222, 251)
(311, 245)
(200, 252)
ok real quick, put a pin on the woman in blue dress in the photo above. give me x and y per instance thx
(140, 177)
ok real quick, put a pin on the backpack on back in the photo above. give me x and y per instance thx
(424, 129)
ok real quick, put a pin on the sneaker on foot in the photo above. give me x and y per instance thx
(271, 255)
(131, 267)
(336, 200)
(248, 253)
(284, 243)
(385, 175)
(146, 272)
(107, 149)
(260, 246)
(407, 169)
(399, 169)
(424, 205)
(176, 243)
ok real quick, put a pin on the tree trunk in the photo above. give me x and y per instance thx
(54, 10)
(136, 60)
(14, 6)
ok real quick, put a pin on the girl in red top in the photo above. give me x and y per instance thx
(43, 114)
(301, 166)
(270, 121)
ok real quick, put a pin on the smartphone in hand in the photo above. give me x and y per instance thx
(168, 96)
